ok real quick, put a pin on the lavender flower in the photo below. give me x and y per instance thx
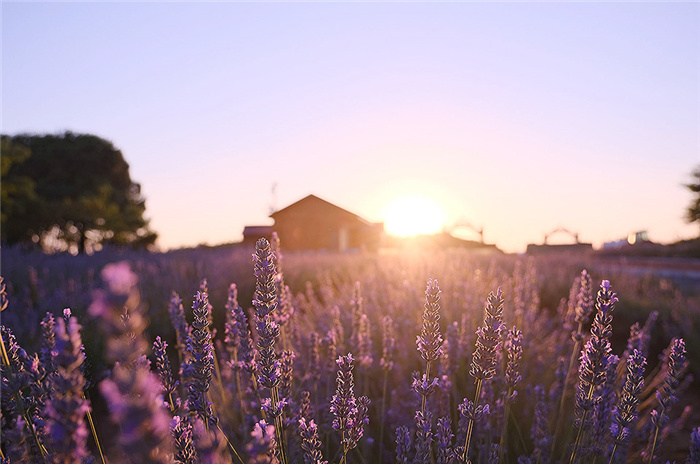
(185, 452)
(262, 448)
(444, 441)
(231, 335)
(133, 394)
(314, 366)
(539, 431)
(357, 310)
(286, 374)
(210, 444)
(625, 415)
(135, 402)
(350, 414)
(603, 408)
(359, 420)
(483, 365)
(666, 395)
(201, 362)
(240, 332)
(48, 343)
(265, 303)
(694, 454)
(65, 410)
(403, 445)
(475, 414)
(423, 385)
(514, 347)
(634, 341)
(493, 454)
(584, 299)
(364, 343)
(343, 405)
(310, 442)
(424, 437)
(177, 316)
(163, 368)
(430, 341)
(594, 359)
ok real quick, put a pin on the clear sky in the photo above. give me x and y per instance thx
(518, 117)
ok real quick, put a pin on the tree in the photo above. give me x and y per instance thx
(18, 195)
(76, 191)
(694, 208)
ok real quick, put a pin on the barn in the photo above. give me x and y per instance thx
(315, 224)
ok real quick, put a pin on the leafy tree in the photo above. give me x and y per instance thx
(18, 195)
(694, 208)
(76, 191)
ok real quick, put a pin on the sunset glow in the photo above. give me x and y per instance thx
(412, 215)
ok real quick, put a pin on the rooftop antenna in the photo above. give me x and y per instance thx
(273, 206)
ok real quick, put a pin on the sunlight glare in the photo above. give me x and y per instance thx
(412, 215)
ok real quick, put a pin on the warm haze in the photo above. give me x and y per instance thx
(518, 117)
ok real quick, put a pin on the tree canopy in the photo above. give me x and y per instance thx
(72, 191)
(694, 208)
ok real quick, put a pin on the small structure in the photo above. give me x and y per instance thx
(315, 224)
(577, 247)
(251, 234)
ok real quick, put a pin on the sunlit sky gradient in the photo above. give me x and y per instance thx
(518, 117)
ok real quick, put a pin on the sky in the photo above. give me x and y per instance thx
(516, 117)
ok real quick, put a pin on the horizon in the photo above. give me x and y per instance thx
(519, 118)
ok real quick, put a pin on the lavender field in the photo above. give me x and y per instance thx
(255, 356)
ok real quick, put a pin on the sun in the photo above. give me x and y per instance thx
(412, 215)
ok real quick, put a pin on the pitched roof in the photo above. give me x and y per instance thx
(322, 201)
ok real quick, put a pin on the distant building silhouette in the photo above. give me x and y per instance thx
(315, 224)
(251, 234)
(578, 247)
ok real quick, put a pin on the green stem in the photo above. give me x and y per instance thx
(579, 434)
(274, 396)
(560, 411)
(656, 435)
(612, 455)
(94, 431)
(471, 422)
(230, 445)
(427, 376)
(501, 444)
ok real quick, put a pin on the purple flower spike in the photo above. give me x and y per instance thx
(483, 365)
(626, 412)
(430, 341)
(343, 403)
(48, 343)
(65, 410)
(310, 442)
(444, 440)
(694, 455)
(424, 437)
(514, 347)
(265, 303)
(262, 448)
(403, 444)
(163, 366)
(182, 437)
(200, 365)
